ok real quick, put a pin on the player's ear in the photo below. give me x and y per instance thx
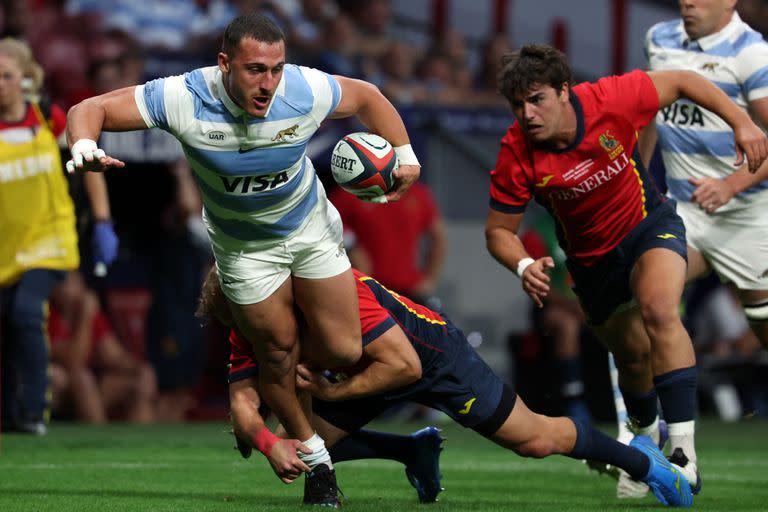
(565, 93)
(223, 62)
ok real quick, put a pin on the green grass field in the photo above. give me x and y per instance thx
(193, 467)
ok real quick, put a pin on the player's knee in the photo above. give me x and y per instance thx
(660, 315)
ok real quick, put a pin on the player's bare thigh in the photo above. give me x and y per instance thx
(657, 282)
(330, 308)
(270, 322)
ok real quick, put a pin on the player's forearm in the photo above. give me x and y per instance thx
(506, 247)
(85, 121)
(244, 406)
(742, 179)
(704, 93)
(376, 379)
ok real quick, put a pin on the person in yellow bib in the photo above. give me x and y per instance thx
(39, 240)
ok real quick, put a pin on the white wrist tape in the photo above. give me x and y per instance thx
(406, 156)
(522, 265)
(84, 149)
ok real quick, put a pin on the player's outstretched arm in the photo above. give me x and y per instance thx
(249, 427)
(113, 111)
(751, 142)
(394, 364)
(375, 111)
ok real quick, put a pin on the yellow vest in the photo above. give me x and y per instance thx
(37, 217)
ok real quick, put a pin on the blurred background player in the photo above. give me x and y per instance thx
(571, 149)
(95, 378)
(39, 240)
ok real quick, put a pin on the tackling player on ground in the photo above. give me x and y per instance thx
(574, 149)
(411, 353)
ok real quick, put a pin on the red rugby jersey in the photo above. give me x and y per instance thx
(597, 188)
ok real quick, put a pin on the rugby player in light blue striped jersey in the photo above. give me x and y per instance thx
(244, 126)
(724, 208)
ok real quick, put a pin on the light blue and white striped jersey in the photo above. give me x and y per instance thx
(695, 142)
(257, 183)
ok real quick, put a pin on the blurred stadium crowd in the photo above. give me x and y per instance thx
(148, 357)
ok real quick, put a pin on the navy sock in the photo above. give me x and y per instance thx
(642, 408)
(594, 445)
(677, 394)
(571, 381)
(369, 444)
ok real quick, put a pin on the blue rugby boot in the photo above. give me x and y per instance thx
(424, 472)
(664, 479)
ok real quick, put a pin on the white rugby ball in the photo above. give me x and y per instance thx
(362, 164)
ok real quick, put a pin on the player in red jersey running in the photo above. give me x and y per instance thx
(574, 150)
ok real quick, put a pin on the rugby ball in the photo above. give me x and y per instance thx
(362, 164)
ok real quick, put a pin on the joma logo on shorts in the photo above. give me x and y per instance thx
(247, 184)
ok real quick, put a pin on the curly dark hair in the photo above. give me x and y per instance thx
(531, 65)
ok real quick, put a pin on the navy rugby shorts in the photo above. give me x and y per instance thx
(605, 286)
(463, 386)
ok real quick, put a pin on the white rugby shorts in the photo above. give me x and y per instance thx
(314, 251)
(734, 242)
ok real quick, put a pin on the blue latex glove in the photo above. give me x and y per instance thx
(104, 243)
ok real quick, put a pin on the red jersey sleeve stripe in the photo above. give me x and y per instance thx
(506, 208)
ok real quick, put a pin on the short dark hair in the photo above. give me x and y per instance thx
(531, 65)
(252, 25)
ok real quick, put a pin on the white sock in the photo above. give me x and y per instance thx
(681, 435)
(651, 431)
(319, 453)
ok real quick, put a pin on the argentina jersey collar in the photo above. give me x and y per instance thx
(233, 107)
(727, 33)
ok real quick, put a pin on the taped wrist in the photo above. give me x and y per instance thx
(264, 440)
